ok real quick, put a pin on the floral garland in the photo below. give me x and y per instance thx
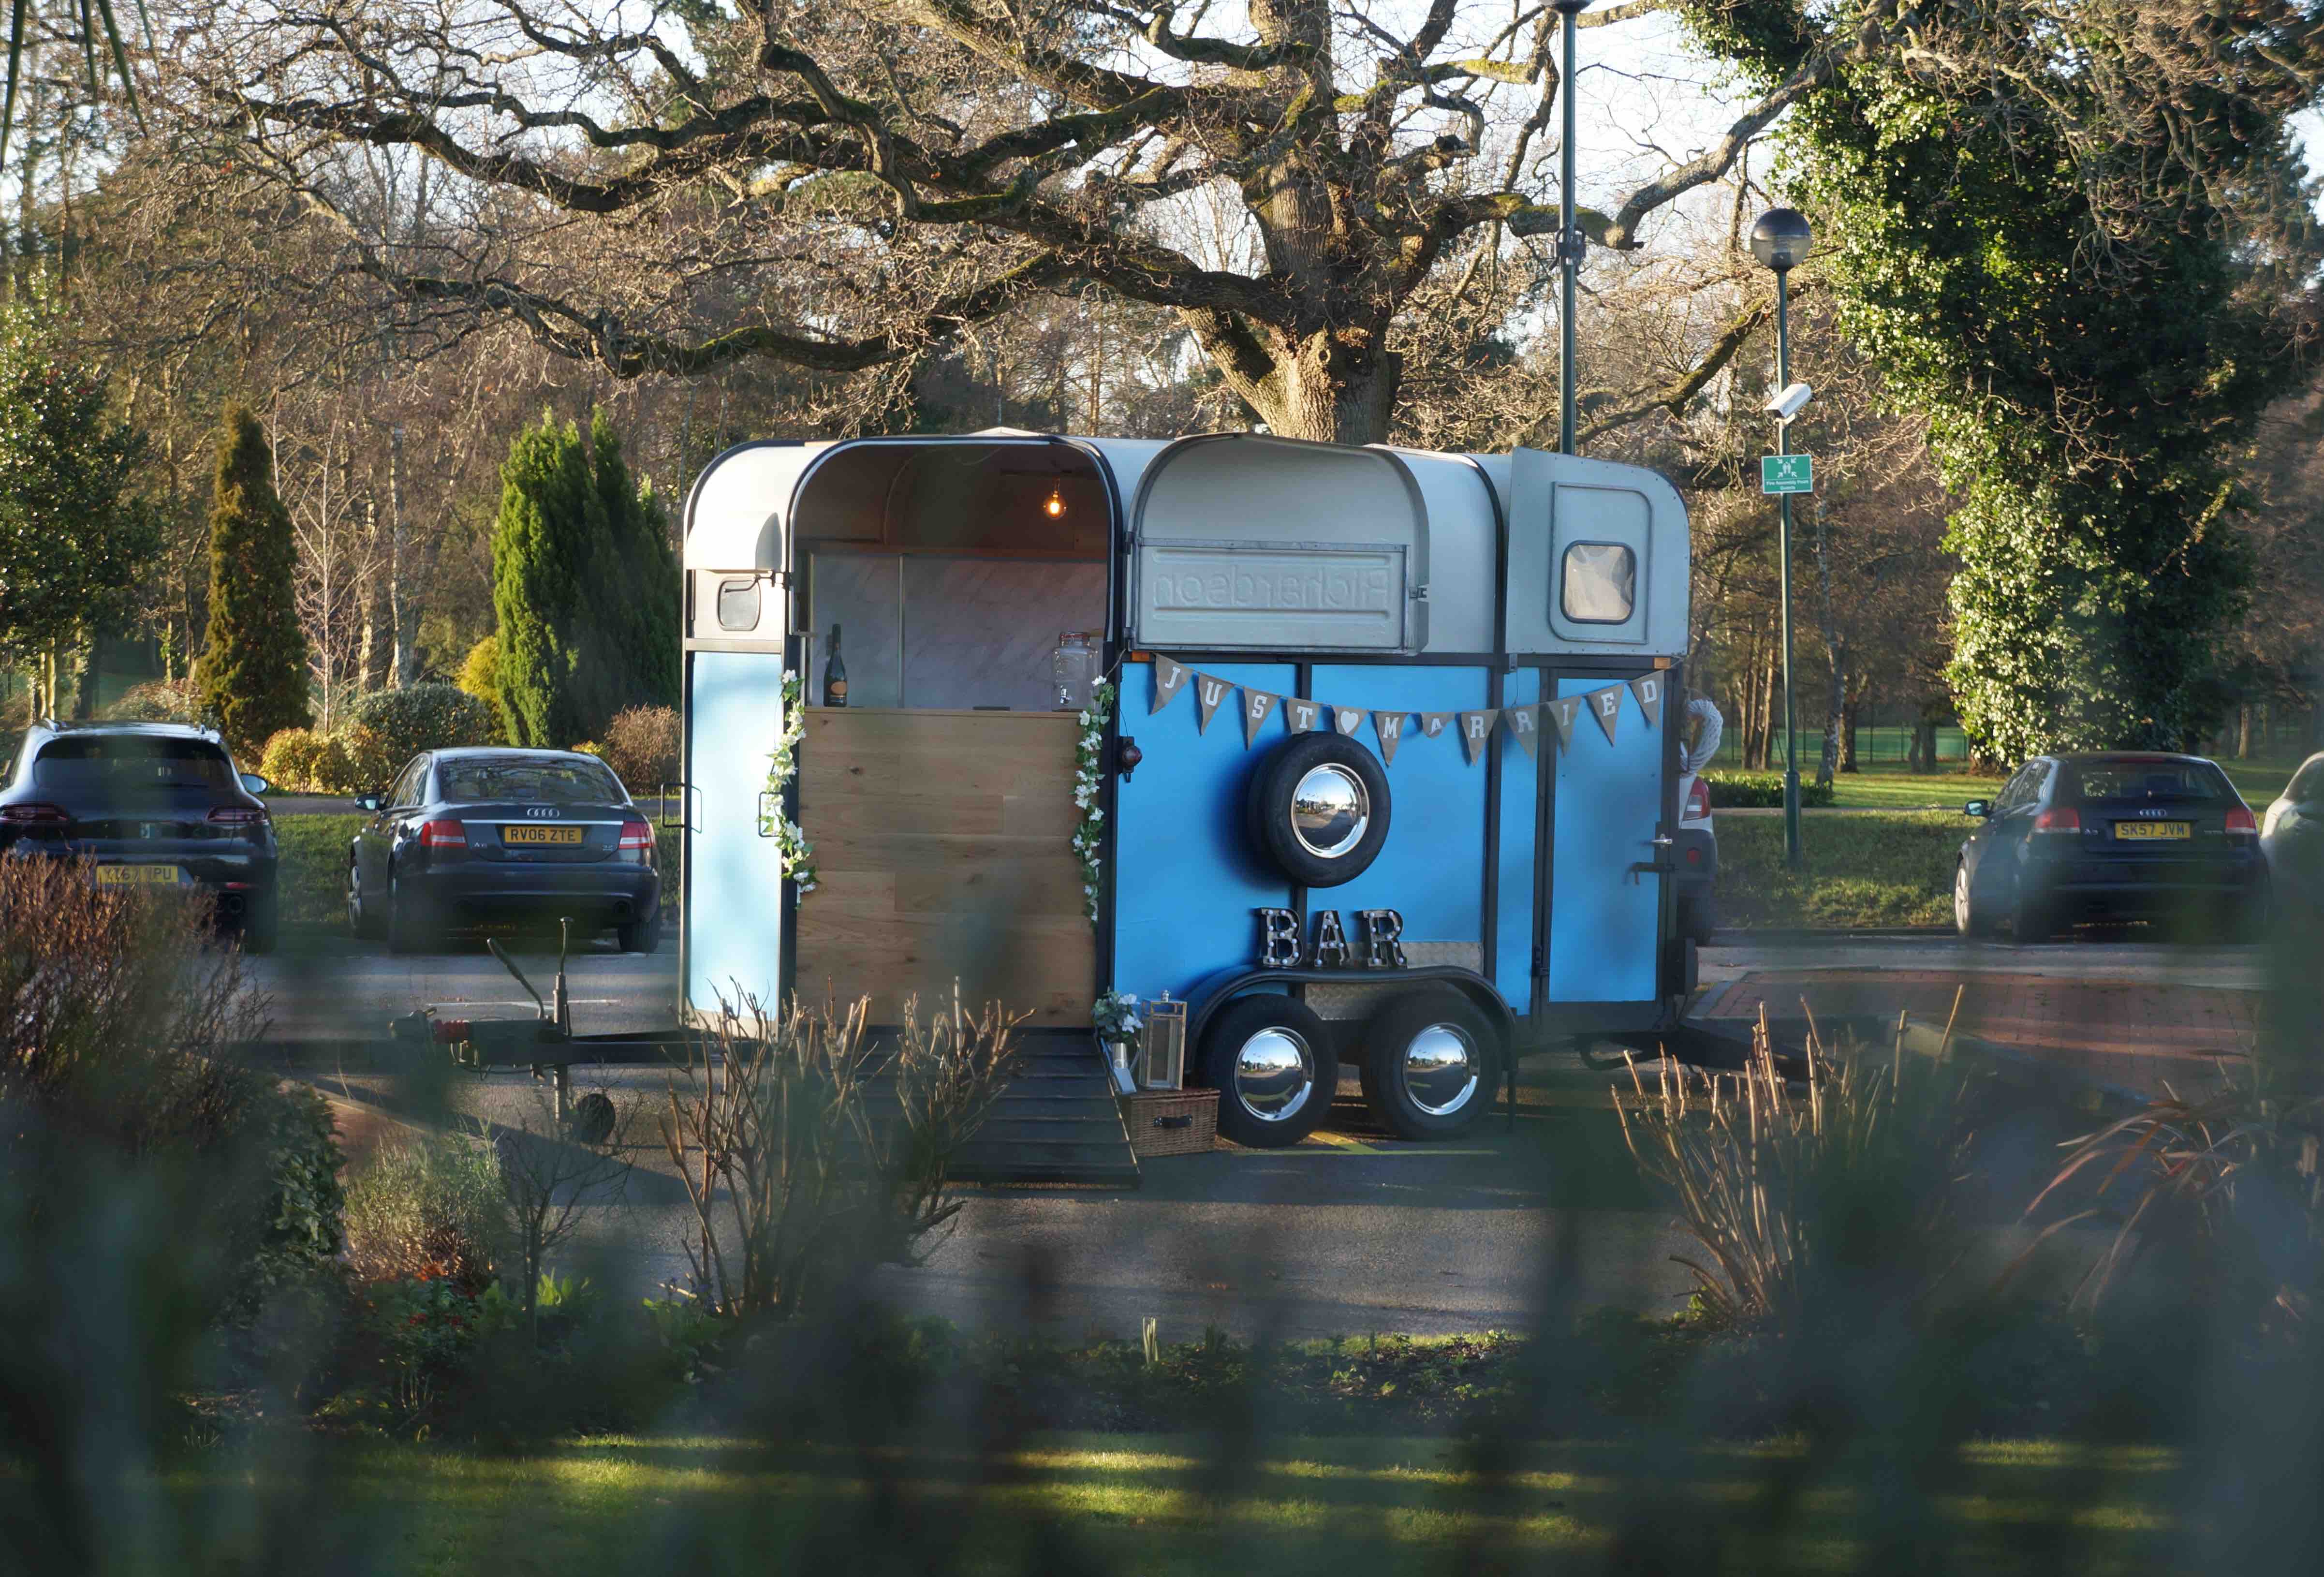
(1087, 779)
(791, 846)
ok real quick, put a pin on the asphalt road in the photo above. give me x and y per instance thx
(1348, 1234)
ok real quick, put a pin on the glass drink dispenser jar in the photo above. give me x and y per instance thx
(1074, 666)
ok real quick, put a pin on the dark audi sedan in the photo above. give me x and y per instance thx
(2115, 836)
(148, 803)
(467, 837)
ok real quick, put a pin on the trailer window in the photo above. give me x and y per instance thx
(738, 605)
(1598, 583)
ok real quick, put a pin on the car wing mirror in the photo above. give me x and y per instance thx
(368, 801)
(252, 783)
(1978, 807)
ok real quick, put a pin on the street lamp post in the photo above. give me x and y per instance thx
(1780, 239)
(1569, 236)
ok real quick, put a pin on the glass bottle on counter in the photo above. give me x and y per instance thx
(1074, 666)
(834, 675)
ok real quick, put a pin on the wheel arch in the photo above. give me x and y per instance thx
(1228, 985)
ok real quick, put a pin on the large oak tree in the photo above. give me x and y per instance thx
(842, 186)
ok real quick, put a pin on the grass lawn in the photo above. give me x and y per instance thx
(313, 880)
(2258, 781)
(1123, 1503)
(1893, 867)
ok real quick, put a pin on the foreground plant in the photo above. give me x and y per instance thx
(811, 1151)
(1785, 1181)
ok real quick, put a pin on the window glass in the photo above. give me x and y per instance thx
(407, 786)
(529, 780)
(2020, 789)
(2307, 783)
(738, 605)
(2140, 782)
(131, 763)
(1598, 583)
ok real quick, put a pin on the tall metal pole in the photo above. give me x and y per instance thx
(1569, 238)
(1783, 504)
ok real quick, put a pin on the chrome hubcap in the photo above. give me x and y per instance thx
(1960, 896)
(1440, 1069)
(1273, 1074)
(1329, 810)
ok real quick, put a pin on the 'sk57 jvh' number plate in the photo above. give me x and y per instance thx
(2153, 829)
(541, 834)
(137, 876)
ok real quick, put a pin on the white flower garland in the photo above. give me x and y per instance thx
(791, 846)
(1088, 776)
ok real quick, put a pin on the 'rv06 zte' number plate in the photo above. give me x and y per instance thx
(540, 834)
(2153, 829)
(137, 876)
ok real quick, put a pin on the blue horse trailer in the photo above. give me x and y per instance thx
(1380, 769)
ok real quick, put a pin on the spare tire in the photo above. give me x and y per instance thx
(1319, 808)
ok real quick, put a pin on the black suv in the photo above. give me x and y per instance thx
(149, 803)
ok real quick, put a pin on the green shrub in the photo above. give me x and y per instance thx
(253, 664)
(588, 747)
(1746, 790)
(480, 672)
(641, 746)
(293, 759)
(435, 1211)
(387, 728)
(340, 770)
(159, 701)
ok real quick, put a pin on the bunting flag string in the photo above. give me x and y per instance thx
(1524, 724)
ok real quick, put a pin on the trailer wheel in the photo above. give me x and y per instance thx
(1319, 808)
(1271, 1060)
(1429, 1062)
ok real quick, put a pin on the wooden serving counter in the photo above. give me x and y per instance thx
(943, 849)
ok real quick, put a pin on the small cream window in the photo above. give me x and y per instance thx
(738, 605)
(1598, 583)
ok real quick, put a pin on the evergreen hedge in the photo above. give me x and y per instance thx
(253, 667)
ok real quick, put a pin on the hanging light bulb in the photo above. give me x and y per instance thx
(1057, 504)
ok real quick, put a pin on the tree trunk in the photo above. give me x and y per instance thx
(1836, 653)
(1848, 705)
(1769, 719)
(1924, 742)
(2244, 731)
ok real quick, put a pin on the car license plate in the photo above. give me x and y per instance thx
(2139, 831)
(137, 876)
(541, 834)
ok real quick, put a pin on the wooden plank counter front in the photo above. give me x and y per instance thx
(943, 849)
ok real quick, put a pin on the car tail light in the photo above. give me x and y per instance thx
(2060, 819)
(1698, 800)
(2240, 820)
(35, 816)
(443, 835)
(638, 835)
(236, 815)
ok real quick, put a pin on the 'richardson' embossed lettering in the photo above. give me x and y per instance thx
(1339, 587)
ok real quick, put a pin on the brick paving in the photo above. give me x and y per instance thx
(2129, 1034)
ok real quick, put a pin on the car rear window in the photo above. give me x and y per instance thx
(131, 763)
(2144, 782)
(531, 781)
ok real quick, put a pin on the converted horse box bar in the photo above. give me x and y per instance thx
(1381, 771)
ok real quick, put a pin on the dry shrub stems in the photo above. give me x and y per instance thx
(811, 1151)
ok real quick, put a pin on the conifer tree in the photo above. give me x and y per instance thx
(253, 665)
(585, 585)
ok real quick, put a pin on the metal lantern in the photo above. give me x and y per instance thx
(1781, 239)
(1166, 1045)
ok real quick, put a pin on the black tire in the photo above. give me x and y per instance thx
(644, 936)
(590, 1120)
(1439, 1098)
(2035, 918)
(363, 917)
(411, 927)
(1698, 916)
(1972, 916)
(1278, 838)
(261, 923)
(1246, 1093)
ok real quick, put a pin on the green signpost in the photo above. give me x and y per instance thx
(1786, 473)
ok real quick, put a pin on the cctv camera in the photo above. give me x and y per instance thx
(1790, 402)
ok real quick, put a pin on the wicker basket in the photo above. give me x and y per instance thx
(1171, 1122)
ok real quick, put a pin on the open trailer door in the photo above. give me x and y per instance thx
(734, 937)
